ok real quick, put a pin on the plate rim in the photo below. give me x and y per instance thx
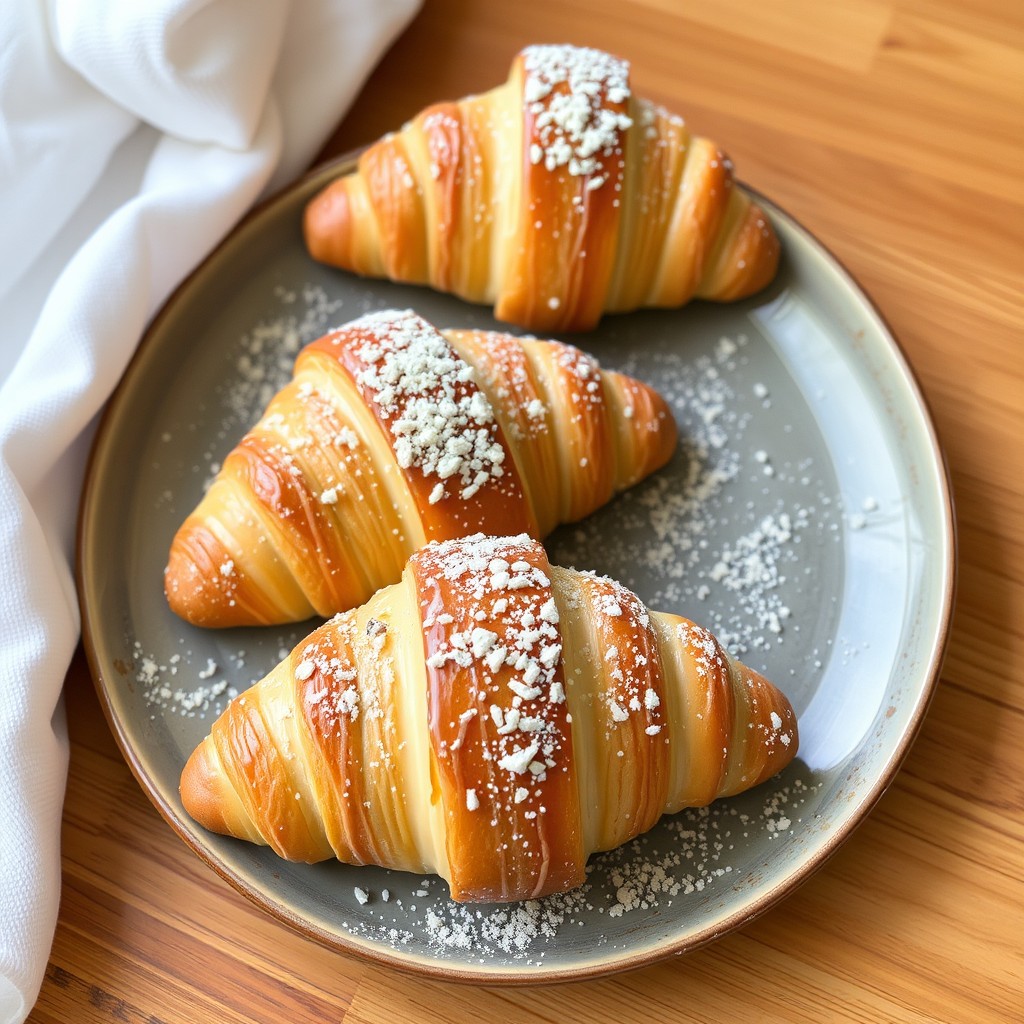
(515, 974)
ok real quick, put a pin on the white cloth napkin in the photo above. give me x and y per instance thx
(132, 136)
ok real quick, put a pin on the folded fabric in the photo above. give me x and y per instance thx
(132, 136)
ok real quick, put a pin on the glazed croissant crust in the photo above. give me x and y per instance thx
(490, 718)
(557, 196)
(392, 434)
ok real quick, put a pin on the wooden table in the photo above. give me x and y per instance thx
(893, 129)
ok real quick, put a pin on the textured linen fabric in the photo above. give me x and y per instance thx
(132, 136)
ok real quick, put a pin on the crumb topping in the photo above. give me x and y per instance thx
(576, 127)
(442, 423)
(515, 646)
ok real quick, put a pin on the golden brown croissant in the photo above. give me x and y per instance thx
(491, 718)
(390, 435)
(557, 196)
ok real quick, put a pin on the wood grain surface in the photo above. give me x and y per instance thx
(893, 129)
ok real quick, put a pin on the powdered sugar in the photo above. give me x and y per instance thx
(442, 423)
(687, 857)
(267, 353)
(325, 664)
(574, 127)
(165, 689)
(699, 555)
(516, 654)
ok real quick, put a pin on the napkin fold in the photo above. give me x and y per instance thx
(132, 137)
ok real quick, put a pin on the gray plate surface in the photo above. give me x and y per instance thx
(806, 518)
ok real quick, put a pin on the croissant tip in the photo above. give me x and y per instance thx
(202, 584)
(653, 429)
(199, 794)
(189, 591)
(667, 432)
(758, 250)
(326, 225)
(783, 738)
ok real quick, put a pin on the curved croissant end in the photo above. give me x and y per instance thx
(392, 434)
(491, 718)
(556, 196)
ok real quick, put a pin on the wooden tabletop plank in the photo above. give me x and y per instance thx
(893, 130)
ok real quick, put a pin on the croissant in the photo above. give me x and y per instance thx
(556, 196)
(391, 435)
(491, 718)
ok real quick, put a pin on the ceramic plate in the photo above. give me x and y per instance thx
(806, 519)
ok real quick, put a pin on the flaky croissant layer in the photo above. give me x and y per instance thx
(490, 718)
(391, 434)
(557, 196)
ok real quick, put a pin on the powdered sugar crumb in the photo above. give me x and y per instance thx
(577, 127)
(162, 689)
(441, 421)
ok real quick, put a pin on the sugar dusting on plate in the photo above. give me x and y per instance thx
(685, 856)
(674, 524)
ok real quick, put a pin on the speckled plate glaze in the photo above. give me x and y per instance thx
(807, 518)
